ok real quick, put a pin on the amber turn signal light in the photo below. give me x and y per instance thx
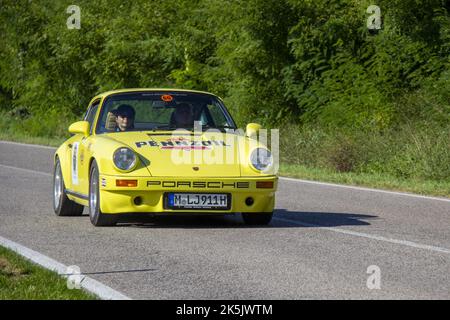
(126, 183)
(264, 184)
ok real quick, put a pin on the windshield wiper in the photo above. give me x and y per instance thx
(207, 126)
(166, 126)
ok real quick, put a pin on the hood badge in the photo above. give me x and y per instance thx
(195, 168)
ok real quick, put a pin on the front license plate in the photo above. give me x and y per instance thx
(216, 201)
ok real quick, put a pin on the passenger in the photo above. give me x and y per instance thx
(182, 116)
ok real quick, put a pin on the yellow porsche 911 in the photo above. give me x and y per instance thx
(162, 151)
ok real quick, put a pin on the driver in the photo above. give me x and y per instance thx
(183, 116)
(124, 117)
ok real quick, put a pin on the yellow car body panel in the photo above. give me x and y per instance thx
(158, 172)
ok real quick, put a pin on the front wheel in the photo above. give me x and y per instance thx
(255, 219)
(98, 218)
(62, 205)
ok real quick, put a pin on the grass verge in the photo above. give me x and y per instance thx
(21, 279)
(52, 142)
(378, 181)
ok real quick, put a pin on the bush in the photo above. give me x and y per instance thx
(403, 152)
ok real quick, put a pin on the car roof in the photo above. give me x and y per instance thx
(107, 93)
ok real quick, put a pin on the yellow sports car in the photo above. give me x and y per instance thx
(162, 151)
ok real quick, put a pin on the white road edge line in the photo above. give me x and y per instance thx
(27, 144)
(369, 236)
(289, 179)
(93, 286)
(365, 189)
(27, 170)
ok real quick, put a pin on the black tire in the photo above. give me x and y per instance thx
(257, 219)
(62, 205)
(98, 218)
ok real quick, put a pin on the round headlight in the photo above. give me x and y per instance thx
(124, 159)
(261, 159)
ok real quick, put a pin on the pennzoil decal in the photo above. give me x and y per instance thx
(182, 143)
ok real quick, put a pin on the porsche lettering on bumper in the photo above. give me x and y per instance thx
(200, 184)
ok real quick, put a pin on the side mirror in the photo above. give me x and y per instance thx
(81, 127)
(252, 130)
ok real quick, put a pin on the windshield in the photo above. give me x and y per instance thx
(139, 111)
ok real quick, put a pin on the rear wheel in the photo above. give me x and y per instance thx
(98, 218)
(62, 205)
(255, 219)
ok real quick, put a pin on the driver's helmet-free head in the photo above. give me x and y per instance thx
(125, 110)
(124, 117)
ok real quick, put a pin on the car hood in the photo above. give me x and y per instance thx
(185, 154)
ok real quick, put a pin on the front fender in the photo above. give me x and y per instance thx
(103, 149)
(63, 153)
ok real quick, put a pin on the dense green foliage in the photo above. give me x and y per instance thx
(309, 65)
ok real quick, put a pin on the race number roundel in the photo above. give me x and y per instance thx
(166, 98)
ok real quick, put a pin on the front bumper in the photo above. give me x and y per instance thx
(152, 190)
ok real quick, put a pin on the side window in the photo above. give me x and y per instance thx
(90, 115)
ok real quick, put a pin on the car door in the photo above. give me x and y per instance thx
(81, 153)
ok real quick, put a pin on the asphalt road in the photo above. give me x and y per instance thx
(320, 244)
